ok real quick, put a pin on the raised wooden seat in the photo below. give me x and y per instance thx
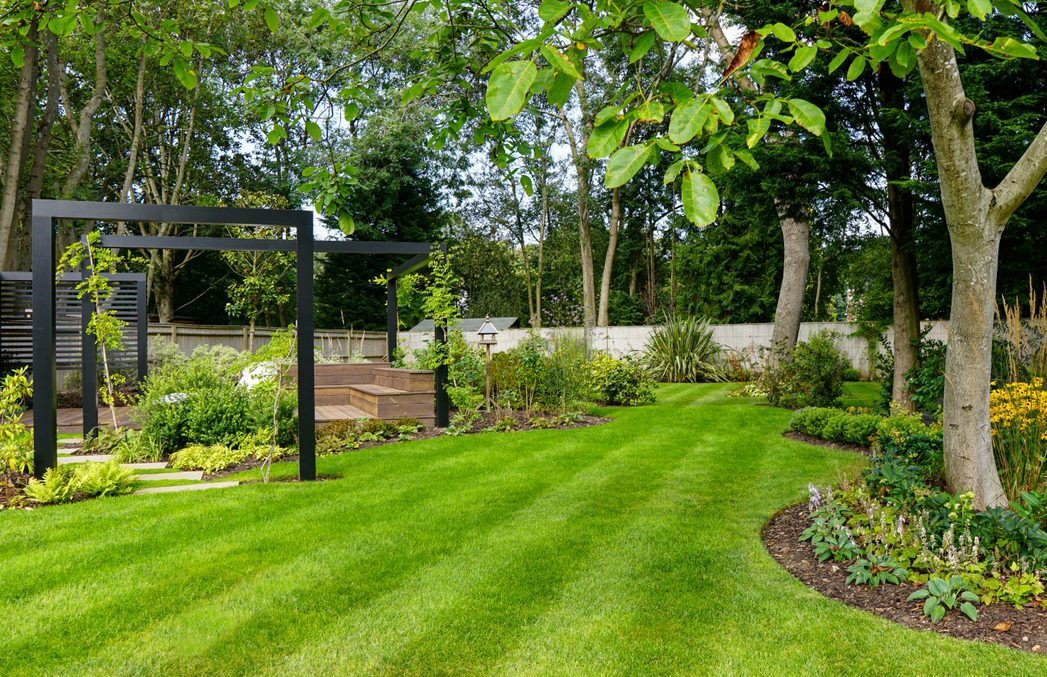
(373, 390)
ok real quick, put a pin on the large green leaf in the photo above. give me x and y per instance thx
(670, 20)
(802, 58)
(508, 87)
(688, 119)
(701, 200)
(560, 62)
(624, 164)
(808, 116)
(606, 138)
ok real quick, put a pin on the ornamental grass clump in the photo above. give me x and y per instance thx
(682, 350)
(1018, 413)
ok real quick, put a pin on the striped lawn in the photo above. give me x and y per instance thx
(629, 548)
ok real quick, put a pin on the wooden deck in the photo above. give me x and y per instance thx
(72, 420)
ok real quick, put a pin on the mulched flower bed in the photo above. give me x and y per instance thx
(1018, 628)
(11, 485)
(483, 424)
(819, 442)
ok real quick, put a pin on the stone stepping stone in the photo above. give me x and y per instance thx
(94, 458)
(187, 487)
(67, 451)
(158, 465)
(160, 476)
(70, 441)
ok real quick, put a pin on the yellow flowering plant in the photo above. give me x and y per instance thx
(1018, 414)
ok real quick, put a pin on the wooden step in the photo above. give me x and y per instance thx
(411, 380)
(332, 395)
(329, 413)
(391, 403)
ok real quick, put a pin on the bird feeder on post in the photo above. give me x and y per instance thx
(488, 337)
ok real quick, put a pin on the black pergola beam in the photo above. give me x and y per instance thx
(257, 244)
(409, 266)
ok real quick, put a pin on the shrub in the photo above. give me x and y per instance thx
(811, 420)
(209, 458)
(682, 350)
(837, 425)
(907, 437)
(1019, 435)
(65, 483)
(16, 441)
(517, 374)
(622, 382)
(466, 370)
(926, 383)
(565, 377)
(200, 401)
(810, 375)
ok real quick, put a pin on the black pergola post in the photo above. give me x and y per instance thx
(392, 322)
(142, 347)
(45, 373)
(306, 388)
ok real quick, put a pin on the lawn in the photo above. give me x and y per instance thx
(628, 548)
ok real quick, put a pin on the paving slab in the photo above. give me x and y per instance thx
(187, 487)
(160, 476)
(92, 458)
(158, 465)
(75, 441)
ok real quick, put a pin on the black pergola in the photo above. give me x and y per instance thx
(45, 216)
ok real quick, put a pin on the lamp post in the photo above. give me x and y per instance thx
(488, 337)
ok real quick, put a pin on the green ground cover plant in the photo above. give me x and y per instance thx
(424, 557)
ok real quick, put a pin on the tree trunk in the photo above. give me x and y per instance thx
(901, 219)
(584, 174)
(164, 286)
(82, 129)
(16, 151)
(796, 233)
(975, 240)
(603, 317)
(906, 315)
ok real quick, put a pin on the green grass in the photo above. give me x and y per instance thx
(861, 394)
(629, 548)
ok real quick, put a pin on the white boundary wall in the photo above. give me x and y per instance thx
(747, 339)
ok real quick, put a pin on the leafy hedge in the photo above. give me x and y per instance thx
(837, 425)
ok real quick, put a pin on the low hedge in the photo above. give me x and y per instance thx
(837, 425)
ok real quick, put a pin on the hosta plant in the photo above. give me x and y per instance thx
(942, 595)
(876, 570)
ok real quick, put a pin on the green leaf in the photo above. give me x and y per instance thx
(701, 200)
(624, 164)
(673, 172)
(642, 46)
(937, 613)
(605, 139)
(808, 116)
(919, 594)
(1012, 49)
(783, 32)
(559, 61)
(18, 56)
(560, 91)
(979, 8)
(527, 184)
(758, 128)
(346, 224)
(802, 58)
(969, 610)
(185, 74)
(271, 19)
(747, 158)
(313, 130)
(838, 60)
(508, 87)
(553, 10)
(893, 32)
(724, 109)
(687, 120)
(670, 20)
(651, 111)
(857, 67)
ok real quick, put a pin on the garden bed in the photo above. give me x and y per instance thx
(818, 441)
(999, 623)
(486, 423)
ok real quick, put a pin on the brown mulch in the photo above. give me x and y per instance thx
(819, 442)
(11, 485)
(1018, 628)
